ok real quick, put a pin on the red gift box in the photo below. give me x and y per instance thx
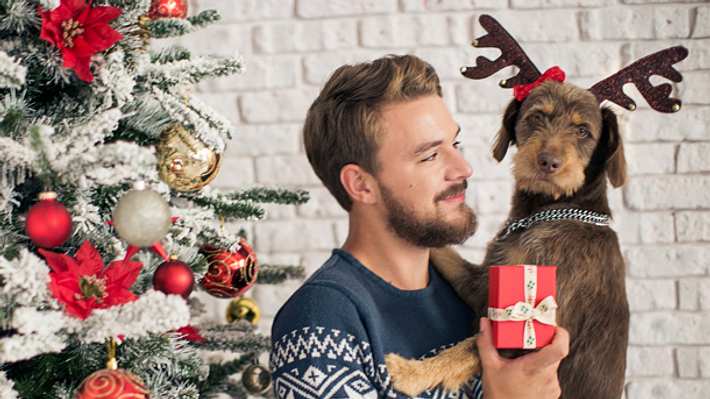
(517, 292)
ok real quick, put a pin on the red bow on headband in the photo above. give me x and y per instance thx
(554, 73)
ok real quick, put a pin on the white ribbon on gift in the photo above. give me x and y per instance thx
(544, 312)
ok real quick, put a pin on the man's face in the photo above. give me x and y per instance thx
(422, 174)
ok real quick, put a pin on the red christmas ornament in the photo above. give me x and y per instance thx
(168, 9)
(79, 31)
(48, 223)
(174, 277)
(230, 274)
(111, 384)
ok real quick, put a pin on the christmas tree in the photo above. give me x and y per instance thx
(107, 221)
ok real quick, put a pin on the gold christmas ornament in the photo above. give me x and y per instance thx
(243, 309)
(256, 379)
(184, 162)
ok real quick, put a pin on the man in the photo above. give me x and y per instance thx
(382, 141)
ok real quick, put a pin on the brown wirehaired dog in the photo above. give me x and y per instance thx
(568, 147)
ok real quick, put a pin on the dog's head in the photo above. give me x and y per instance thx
(562, 137)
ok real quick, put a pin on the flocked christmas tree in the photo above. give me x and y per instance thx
(106, 219)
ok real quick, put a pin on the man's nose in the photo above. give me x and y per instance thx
(460, 168)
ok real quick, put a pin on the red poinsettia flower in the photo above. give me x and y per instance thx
(83, 284)
(79, 31)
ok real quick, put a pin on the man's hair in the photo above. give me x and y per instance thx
(342, 124)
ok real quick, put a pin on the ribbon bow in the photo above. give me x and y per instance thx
(522, 91)
(544, 312)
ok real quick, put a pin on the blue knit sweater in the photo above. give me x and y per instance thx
(330, 338)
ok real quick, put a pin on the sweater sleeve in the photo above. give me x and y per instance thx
(320, 348)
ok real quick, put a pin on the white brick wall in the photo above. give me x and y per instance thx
(663, 214)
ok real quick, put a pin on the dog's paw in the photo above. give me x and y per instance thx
(408, 376)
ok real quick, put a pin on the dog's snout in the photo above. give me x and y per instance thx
(548, 163)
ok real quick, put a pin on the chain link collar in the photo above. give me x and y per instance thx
(550, 215)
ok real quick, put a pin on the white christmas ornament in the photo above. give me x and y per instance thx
(142, 217)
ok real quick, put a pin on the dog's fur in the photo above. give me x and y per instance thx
(590, 269)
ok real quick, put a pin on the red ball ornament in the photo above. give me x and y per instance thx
(111, 384)
(48, 222)
(174, 277)
(168, 9)
(230, 274)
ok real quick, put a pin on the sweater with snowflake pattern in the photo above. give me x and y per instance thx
(330, 338)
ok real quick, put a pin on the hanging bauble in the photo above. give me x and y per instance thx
(184, 162)
(256, 379)
(142, 217)
(243, 309)
(111, 384)
(48, 222)
(230, 273)
(168, 9)
(174, 277)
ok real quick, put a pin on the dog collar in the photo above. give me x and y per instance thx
(551, 215)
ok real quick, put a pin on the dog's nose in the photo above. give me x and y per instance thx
(548, 163)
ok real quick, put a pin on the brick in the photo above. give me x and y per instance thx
(447, 61)
(650, 158)
(276, 106)
(694, 293)
(698, 48)
(235, 173)
(539, 26)
(648, 125)
(692, 157)
(258, 140)
(321, 205)
(294, 235)
(688, 360)
(285, 170)
(341, 230)
(666, 192)
(284, 37)
(271, 297)
(664, 389)
(596, 60)
(398, 31)
(224, 103)
(478, 131)
(671, 22)
(649, 362)
(451, 5)
(260, 72)
(702, 29)
(659, 1)
(333, 8)
(485, 167)
(483, 96)
(663, 328)
(492, 197)
(644, 227)
(560, 3)
(650, 294)
(313, 260)
(693, 226)
(667, 260)
(319, 67)
(695, 88)
(278, 212)
(202, 41)
(246, 10)
(617, 23)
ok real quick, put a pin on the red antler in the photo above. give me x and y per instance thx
(512, 54)
(638, 73)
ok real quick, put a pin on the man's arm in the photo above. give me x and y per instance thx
(320, 348)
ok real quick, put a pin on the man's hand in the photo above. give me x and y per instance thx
(533, 375)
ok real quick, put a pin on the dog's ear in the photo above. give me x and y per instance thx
(506, 134)
(615, 159)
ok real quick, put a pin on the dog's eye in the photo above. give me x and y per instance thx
(583, 132)
(535, 118)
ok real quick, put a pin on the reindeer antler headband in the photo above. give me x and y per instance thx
(638, 73)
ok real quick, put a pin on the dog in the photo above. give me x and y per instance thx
(567, 149)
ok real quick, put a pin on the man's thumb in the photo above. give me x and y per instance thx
(486, 351)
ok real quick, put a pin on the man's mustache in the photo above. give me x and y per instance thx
(453, 190)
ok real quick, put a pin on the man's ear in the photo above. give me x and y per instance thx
(506, 134)
(358, 184)
(615, 159)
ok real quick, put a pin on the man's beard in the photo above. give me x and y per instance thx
(433, 232)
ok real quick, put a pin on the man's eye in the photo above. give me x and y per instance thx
(457, 145)
(430, 157)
